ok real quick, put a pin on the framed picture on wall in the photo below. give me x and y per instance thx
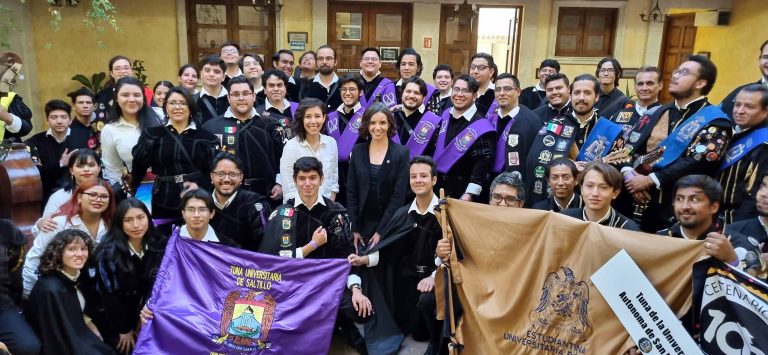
(629, 73)
(389, 54)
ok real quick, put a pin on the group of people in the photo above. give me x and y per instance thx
(314, 165)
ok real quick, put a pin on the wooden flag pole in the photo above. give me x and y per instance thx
(453, 346)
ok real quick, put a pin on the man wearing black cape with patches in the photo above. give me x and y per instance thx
(401, 269)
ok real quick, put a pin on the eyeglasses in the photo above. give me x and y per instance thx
(680, 72)
(458, 90)
(509, 200)
(238, 95)
(177, 103)
(352, 90)
(478, 67)
(325, 59)
(200, 210)
(96, 196)
(370, 59)
(606, 70)
(231, 175)
(505, 89)
(230, 51)
(307, 58)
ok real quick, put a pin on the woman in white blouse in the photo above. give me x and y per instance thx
(89, 210)
(309, 142)
(123, 128)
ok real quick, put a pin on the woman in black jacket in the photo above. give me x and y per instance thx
(126, 262)
(378, 175)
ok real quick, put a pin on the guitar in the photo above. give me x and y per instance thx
(644, 165)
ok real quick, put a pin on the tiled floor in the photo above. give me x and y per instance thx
(409, 347)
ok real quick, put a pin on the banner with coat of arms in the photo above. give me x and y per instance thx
(213, 299)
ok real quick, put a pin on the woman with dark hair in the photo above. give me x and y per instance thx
(309, 142)
(89, 209)
(56, 308)
(127, 118)
(179, 154)
(119, 67)
(188, 78)
(158, 99)
(126, 262)
(377, 177)
(84, 165)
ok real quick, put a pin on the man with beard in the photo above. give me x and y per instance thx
(516, 126)
(325, 85)
(747, 154)
(697, 199)
(409, 65)
(276, 106)
(418, 136)
(282, 60)
(693, 132)
(535, 96)
(256, 141)
(464, 144)
(561, 174)
(762, 63)
(253, 67)
(600, 185)
(611, 99)
(441, 98)
(483, 70)
(376, 87)
(754, 228)
(241, 215)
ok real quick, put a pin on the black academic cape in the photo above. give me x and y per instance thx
(53, 310)
(616, 219)
(752, 228)
(406, 255)
(519, 139)
(243, 220)
(740, 181)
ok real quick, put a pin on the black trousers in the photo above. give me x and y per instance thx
(16, 333)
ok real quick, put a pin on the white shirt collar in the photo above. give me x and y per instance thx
(134, 252)
(229, 113)
(70, 276)
(320, 81)
(226, 203)
(512, 113)
(191, 125)
(123, 122)
(640, 109)
(450, 92)
(764, 81)
(363, 75)
(258, 89)
(298, 202)
(291, 80)
(355, 108)
(538, 87)
(604, 218)
(49, 132)
(268, 105)
(689, 104)
(421, 109)
(585, 123)
(430, 208)
(223, 92)
(573, 195)
(77, 223)
(399, 82)
(210, 235)
(239, 72)
(468, 113)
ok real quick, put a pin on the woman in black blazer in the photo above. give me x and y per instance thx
(377, 182)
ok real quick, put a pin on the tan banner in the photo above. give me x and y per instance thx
(524, 286)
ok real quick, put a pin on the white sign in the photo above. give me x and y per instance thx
(640, 308)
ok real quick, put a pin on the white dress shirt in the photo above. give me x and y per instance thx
(327, 153)
(117, 142)
(32, 261)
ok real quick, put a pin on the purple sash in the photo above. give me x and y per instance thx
(350, 136)
(491, 114)
(332, 125)
(422, 133)
(430, 90)
(294, 107)
(501, 145)
(386, 90)
(445, 157)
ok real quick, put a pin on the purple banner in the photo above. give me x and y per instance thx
(210, 298)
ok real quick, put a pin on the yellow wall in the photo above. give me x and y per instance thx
(149, 33)
(735, 48)
(296, 16)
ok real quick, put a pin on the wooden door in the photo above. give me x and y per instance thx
(212, 23)
(458, 40)
(353, 26)
(679, 37)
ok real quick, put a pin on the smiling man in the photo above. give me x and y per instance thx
(277, 106)
(283, 61)
(600, 185)
(561, 174)
(535, 96)
(647, 88)
(611, 99)
(230, 54)
(409, 65)
(325, 84)
(376, 87)
(442, 76)
(483, 69)
(212, 98)
(239, 214)
(747, 154)
(418, 136)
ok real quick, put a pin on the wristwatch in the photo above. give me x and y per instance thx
(357, 286)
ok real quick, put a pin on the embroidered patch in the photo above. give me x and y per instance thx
(513, 158)
(549, 141)
(513, 139)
